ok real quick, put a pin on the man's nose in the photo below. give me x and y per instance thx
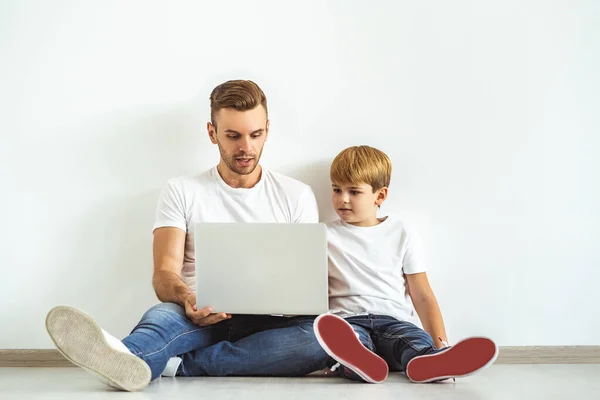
(245, 144)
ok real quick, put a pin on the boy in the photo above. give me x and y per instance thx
(372, 325)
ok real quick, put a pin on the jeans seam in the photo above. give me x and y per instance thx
(400, 337)
(171, 341)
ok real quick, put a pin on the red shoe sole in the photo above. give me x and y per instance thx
(339, 340)
(462, 359)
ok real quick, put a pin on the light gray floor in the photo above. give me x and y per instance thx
(497, 382)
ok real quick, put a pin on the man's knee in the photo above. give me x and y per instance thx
(163, 310)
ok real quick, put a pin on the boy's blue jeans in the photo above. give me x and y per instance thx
(397, 342)
(243, 345)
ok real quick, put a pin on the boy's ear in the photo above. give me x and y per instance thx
(381, 196)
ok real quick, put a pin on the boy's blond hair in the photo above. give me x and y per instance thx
(361, 164)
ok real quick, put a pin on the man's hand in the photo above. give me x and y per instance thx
(203, 316)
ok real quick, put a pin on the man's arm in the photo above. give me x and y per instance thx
(427, 307)
(168, 249)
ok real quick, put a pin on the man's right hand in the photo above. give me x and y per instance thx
(203, 316)
(168, 248)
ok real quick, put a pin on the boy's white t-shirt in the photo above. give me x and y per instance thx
(185, 201)
(367, 267)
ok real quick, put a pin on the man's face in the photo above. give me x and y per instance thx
(240, 136)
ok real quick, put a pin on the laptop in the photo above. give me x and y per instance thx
(262, 268)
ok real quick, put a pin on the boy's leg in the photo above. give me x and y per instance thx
(267, 346)
(398, 342)
(163, 332)
(362, 333)
(356, 354)
(409, 348)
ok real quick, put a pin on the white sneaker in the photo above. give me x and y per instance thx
(79, 338)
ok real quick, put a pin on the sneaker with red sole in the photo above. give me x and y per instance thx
(339, 340)
(464, 358)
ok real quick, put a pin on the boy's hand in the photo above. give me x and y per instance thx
(202, 317)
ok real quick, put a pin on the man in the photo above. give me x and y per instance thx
(176, 337)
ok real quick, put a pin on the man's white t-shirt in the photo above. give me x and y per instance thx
(185, 201)
(367, 267)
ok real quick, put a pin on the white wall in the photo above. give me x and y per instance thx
(489, 111)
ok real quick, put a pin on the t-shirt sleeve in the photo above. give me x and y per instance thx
(170, 211)
(413, 261)
(307, 211)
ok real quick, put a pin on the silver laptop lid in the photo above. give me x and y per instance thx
(262, 268)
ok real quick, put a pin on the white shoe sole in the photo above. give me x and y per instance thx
(79, 338)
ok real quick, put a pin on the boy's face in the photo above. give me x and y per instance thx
(357, 204)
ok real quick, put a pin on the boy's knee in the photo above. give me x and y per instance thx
(364, 338)
(422, 341)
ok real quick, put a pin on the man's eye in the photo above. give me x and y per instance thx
(233, 137)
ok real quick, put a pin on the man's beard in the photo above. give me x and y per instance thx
(231, 161)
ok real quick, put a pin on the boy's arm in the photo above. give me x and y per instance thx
(427, 307)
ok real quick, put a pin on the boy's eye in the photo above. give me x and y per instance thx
(336, 190)
(354, 192)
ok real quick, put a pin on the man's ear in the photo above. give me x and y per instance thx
(212, 132)
(267, 129)
(381, 196)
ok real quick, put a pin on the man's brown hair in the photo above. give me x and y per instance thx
(241, 95)
(361, 164)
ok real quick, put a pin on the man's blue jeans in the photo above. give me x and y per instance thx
(243, 345)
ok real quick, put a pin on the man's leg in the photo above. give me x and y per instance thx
(163, 332)
(275, 346)
(408, 348)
